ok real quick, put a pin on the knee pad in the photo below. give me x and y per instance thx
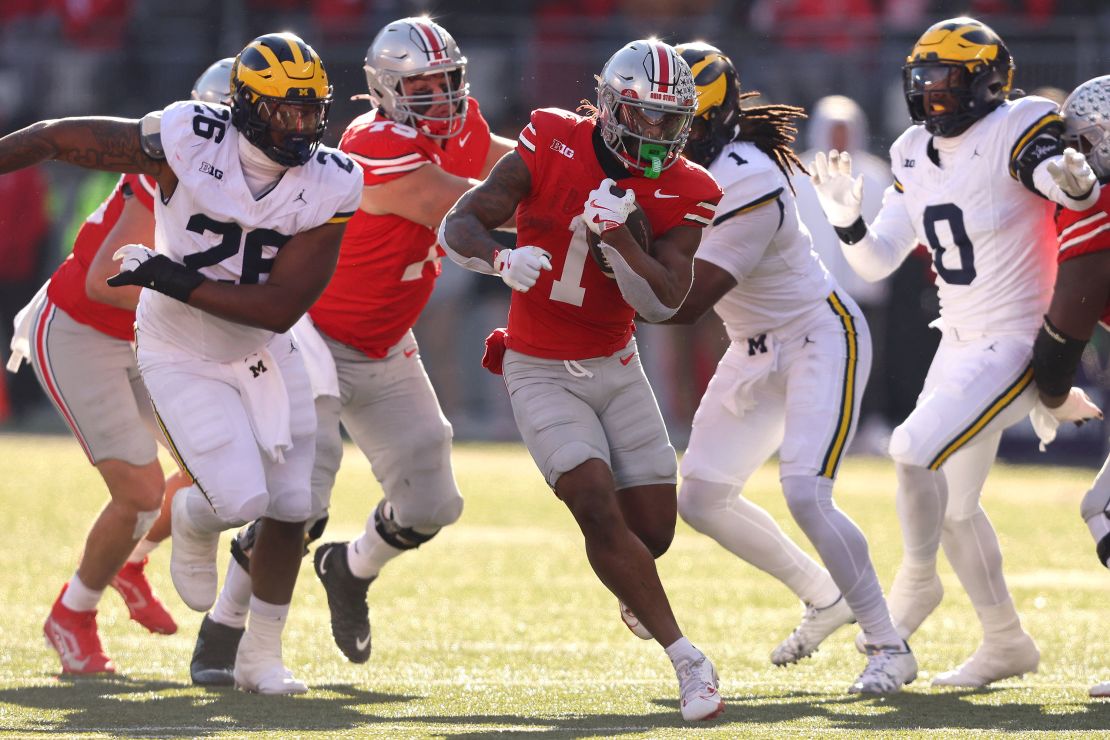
(805, 495)
(570, 456)
(699, 501)
(1095, 502)
(448, 512)
(253, 508)
(403, 538)
(144, 520)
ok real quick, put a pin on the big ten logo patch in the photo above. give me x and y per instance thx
(562, 148)
(208, 169)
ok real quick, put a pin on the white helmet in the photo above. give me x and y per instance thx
(646, 99)
(412, 47)
(1087, 119)
(214, 83)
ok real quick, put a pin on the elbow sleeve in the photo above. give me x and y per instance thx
(1056, 357)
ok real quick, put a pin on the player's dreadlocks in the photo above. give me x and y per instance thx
(772, 128)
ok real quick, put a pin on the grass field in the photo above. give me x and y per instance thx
(498, 626)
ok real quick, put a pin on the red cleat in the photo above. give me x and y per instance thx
(142, 604)
(73, 635)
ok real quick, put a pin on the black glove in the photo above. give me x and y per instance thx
(143, 267)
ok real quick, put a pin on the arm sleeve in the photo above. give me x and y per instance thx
(738, 243)
(889, 239)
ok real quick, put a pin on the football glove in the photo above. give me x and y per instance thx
(520, 267)
(1073, 175)
(840, 196)
(146, 268)
(1076, 408)
(604, 211)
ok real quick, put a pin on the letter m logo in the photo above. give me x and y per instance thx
(757, 344)
(258, 369)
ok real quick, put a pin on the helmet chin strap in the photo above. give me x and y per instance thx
(260, 172)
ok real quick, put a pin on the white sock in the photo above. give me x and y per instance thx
(1000, 621)
(921, 501)
(681, 651)
(234, 601)
(369, 553)
(972, 548)
(843, 549)
(79, 597)
(266, 623)
(142, 549)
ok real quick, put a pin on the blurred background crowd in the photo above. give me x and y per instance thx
(840, 59)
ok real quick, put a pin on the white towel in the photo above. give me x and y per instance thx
(22, 328)
(266, 401)
(318, 360)
(749, 369)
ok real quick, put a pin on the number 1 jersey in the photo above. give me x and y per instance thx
(574, 311)
(214, 225)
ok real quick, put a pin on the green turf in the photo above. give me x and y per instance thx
(498, 626)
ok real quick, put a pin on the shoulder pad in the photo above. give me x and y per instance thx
(150, 135)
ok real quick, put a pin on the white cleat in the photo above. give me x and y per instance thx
(994, 661)
(889, 668)
(816, 625)
(1100, 690)
(633, 623)
(262, 672)
(192, 559)
(697, 688)
(910, 601)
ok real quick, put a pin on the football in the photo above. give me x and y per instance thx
(637, 222)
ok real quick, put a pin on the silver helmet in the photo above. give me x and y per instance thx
(214, 83)
(1087, 119)
(646, 99)
(410, 48)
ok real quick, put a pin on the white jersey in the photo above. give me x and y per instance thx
(779, 280)
(214, 225)
(993, 240)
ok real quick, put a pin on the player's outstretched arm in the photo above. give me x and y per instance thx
(110, 144)
(465, 231)
(135, 226)
(710, 285)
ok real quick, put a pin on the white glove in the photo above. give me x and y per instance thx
(1073, 174)
(840, 196)
(1077, 408)
(520, 267)
(604, 211)
(132, 256)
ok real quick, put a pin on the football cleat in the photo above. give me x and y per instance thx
(816, 625)
(889, 668)
(143, 606)
(73, 635)
(994, 661)
(1100, 690)
(213, 662)
(262, 671)
(697, 688)
(630, 620)
(192, 560)
(350, 616)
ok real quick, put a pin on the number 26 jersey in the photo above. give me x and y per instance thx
(214, 225)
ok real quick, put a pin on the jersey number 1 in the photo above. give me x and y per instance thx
(568, 288)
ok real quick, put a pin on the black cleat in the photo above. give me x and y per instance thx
(350, 617)
(214, 656)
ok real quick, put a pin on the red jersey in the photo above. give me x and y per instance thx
(574, 311)
(67, 285)
(1084, 232)
(387, 264)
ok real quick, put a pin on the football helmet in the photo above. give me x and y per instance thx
(646, 100)
(214, 83)
(1087, 123)
(958, 72)
(718, 114)
(417, 76)
(280, 97)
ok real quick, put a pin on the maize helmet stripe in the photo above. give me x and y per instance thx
(711, 82)
(434, 45)
(664, 67)
(961, 40)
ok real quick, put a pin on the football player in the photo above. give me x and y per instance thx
(78, 339)
(791, 379)
(421, 147)
(1081, 300)
(250, 214)
(579, 395)
(977, 179)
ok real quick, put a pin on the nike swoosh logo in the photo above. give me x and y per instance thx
(410, 352)
(626, 360)
(660, 194)
(324, 562)
(361, 644)
(464, 139)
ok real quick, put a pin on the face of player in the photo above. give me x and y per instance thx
(432, 93)
(652, 124)
(291, 118)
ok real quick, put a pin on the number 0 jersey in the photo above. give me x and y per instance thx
(214, 225)
(388, 265)
(67, 285)
(574, 311)
(1085, 232)
(992, 239)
